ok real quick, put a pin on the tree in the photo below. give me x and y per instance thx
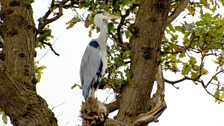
(146, 43)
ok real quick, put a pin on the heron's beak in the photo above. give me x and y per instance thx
(109, 16)
(114, 17)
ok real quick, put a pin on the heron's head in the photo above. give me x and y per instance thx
(102, 16)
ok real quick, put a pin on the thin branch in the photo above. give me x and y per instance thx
(44, 20)
(213, 78)
(177, 11)
(51, 47)
(204, 86)
(47, 51)
(177, 81)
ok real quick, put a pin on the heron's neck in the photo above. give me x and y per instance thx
(102, 39)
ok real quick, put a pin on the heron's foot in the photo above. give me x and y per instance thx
(93, 112)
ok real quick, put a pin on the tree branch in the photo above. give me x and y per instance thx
(123, 17)
(113, 122)
(177, 11)
(213, 78)
(113, 106)
(43, 21)
(51, 47)
(158, 103)
(204, 86)
(149, 116)
(177, 81)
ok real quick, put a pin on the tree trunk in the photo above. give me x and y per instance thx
(18, 96)
(145, 48)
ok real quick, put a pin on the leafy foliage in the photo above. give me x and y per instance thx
(38, 71)
(4, 117)
(189, 45)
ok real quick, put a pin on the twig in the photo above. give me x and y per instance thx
(177, 11)
(47, 51)
(213, 78)
(51, 47)
(204, 86)
(177, 81)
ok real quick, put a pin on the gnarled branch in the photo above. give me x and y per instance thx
(158, 103)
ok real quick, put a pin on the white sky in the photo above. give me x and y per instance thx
(188, 106)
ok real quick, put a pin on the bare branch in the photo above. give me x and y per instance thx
(177, 11)
(213, 77)
(204, 86)
(177, 81)
(51, 47)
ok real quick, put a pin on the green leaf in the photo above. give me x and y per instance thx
(196, 67)
(192, 61)
(186, 69)
(72, 22)
(38, 71)
(174, 67)
(204, 71)
(217, 44)
(4, 118)
(217, 94)
(178, 28)
(181, 55)
(171, 28)
(194, 75)
(127, 34)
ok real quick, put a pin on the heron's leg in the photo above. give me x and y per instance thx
(93, 92)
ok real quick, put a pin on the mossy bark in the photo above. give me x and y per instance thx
(18, 96)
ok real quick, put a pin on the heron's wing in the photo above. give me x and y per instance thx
(91, 65)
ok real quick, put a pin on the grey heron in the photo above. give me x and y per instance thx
(94, 60)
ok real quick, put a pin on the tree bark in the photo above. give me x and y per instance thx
(18, 96)
(145, 49)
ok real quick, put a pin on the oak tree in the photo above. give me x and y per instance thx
(146, 44)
